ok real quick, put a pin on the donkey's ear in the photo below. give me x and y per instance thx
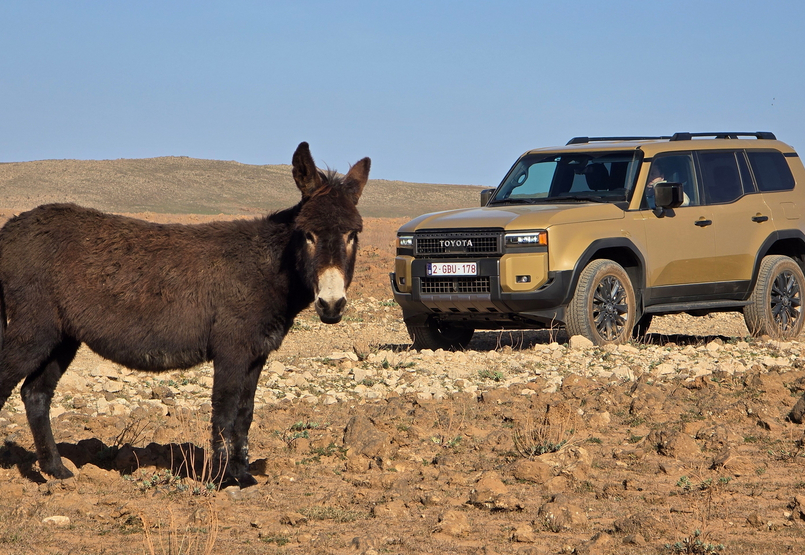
(356, 179)
(307, 177)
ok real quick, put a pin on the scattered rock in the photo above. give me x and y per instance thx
(361, 437)
(99, 476)
(580, 342)
(674, 444)
(491, 493)
(797, 414)
(524, 534)
(561, 514)
(293, 519)
(538, 472)
(57, 520)
(392, 509)
(453, 523)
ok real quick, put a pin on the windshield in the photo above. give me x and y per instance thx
(588, 176)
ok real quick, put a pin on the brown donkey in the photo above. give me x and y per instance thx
(157, 297)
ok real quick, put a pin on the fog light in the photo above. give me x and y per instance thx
(523, 279)
(402, 281)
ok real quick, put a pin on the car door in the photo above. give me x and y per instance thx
(741, 218)
(680, 243)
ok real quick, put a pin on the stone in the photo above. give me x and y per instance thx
(674, 444)
(112, 386)
(392, 509)
(647, 527)
(57, 520)
(580, 342)
(453, 523)
(755, 521)
(729, 460)
(562, 514)
(797, 414)
(537, 472)
(487, 490)
(293, 519)
(599, 420)
(93, 474)
(524, 534)
(600, 544)
(361, 437)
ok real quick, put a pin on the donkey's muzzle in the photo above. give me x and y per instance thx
(330, 312)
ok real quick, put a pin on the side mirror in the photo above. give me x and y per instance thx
(486, 194)
(668, 195)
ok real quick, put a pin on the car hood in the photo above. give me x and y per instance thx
(515, 217)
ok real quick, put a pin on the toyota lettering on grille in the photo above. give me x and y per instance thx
(454, 244)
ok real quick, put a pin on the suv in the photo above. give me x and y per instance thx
(602, 233)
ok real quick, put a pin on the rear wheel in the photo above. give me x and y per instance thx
(775, 307)
(439, 335)
(603, 306)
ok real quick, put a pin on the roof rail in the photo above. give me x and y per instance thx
(581, 140)
(768, 135)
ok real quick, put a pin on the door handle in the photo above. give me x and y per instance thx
(760, 218)
(704, 223)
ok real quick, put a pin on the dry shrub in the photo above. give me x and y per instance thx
(549, 433)
(171, 539)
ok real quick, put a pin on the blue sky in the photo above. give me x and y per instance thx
(433, 91)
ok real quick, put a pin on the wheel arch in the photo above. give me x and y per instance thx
(620, 250)
(789, 242)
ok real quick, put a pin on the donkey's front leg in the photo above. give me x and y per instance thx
(233, 391)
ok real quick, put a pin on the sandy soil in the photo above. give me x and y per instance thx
(525, 443)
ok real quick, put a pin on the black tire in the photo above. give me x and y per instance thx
(439, 335)
(603, 306)
(640, 329)
(775, 307)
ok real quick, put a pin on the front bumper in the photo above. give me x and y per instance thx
(490, 309)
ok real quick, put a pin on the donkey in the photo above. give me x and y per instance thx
(157, 297)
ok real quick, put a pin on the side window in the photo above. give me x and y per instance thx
(672, 168)
(771, 170)
(721, 179)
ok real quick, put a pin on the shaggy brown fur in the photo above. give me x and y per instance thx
(156, 297)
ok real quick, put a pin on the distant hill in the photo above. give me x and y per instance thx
(181, 185)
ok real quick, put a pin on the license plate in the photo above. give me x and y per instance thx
(453, 269)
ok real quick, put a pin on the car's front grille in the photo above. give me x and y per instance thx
(455, 285)
(464, 243)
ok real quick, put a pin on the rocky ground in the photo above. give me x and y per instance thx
(530, 443)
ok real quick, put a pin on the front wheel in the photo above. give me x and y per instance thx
(439, 335)
(775, 307)
(603, 306)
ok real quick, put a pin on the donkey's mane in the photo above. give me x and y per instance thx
(333, 180)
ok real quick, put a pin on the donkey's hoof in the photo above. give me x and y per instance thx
(244, 481)
(58, 471)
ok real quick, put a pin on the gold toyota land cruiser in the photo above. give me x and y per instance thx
(602, 233)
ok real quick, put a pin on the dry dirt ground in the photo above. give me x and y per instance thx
(525, 443)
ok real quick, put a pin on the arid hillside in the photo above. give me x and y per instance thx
(181, 185)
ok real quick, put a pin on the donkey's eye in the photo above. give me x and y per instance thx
(352, 237)
(310, 238)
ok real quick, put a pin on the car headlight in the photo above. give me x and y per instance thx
(405, 241)
(527, 239)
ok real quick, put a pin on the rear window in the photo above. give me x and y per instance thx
(771, 170)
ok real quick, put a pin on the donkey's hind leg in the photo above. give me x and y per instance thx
(37, 393)
(239, 460)
(233, 390)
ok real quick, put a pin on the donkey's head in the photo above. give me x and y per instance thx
(328, 225)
